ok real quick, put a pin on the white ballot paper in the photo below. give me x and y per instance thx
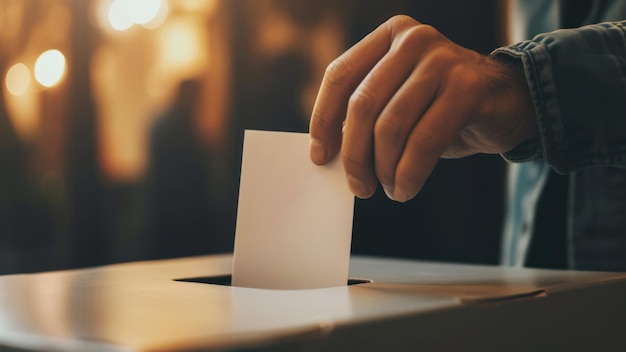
(294, 219)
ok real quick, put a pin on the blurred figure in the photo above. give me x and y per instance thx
(274, 96)
(27, 225)
(180, 219)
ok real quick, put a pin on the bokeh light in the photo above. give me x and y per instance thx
(179, 42)
(123, 14)
(118, 15)
(159, 18)
(18, 79)
(184, 46)
(143, 11)
(50, 68)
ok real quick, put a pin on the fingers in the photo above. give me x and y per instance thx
(364, 108)
(432, 135)
(409, 96)
(329, 109)
(398, 119)
(340, 80)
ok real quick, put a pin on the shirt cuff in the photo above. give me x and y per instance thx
(525, 151)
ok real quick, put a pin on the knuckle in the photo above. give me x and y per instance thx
(468, 77)
(418, 36)
(426, 31)
(426, 143)
(444, 52)
(439, 65)
(400, 22)
(361, 102)
(337, 71)
(320, 121)
(389, 129)
(352, 164)
(442, 56)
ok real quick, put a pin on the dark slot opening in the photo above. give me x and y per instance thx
(225, 280)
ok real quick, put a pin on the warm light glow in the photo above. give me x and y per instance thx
(118, 15)
(123, 14)
(24, 112)
(159, 18)
(184, 46)
(49, 68)
(207, 7)
(143, 11)
(18, 79)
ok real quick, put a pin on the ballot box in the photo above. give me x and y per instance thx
(388, 305)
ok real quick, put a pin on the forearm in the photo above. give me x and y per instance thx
(577, 79)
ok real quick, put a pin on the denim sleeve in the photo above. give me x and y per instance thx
(577, 79)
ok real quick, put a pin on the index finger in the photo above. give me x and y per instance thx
(341, 78)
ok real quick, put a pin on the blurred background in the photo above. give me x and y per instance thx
(121, 126)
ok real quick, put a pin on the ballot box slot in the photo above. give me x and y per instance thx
(226, 280)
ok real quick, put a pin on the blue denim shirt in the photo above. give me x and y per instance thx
(577, 79)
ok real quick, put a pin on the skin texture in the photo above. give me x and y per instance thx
(405, 96)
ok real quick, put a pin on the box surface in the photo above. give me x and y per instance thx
(168, 306)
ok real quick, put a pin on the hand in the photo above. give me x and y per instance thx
(408, 96)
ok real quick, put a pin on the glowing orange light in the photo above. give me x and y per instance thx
(18, 79)
(50, 68)
(183, 47)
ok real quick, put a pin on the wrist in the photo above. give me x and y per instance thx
(513, 104)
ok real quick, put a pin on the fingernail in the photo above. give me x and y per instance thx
(402, 195)
(318, 152)
(388, 191)
(359, 188)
